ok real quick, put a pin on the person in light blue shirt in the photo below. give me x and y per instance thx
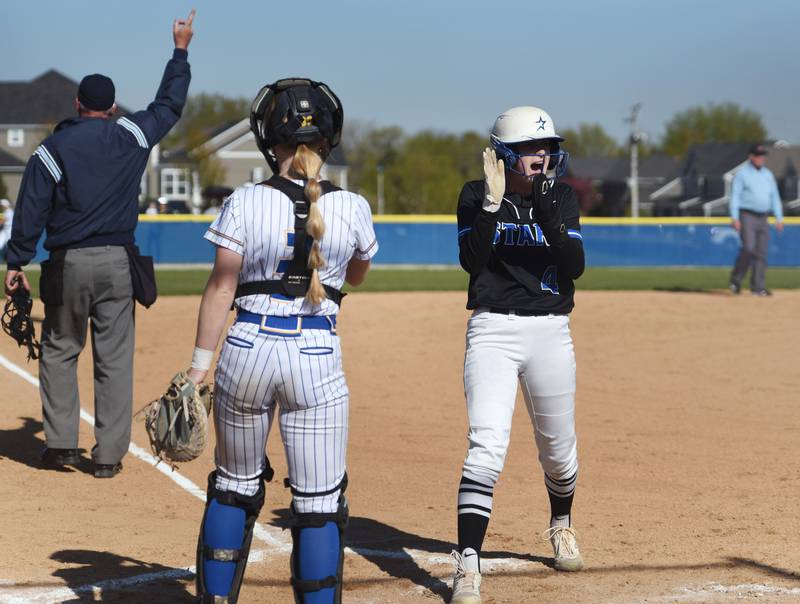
(754, 195)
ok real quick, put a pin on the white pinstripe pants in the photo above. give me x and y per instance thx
(303, 376)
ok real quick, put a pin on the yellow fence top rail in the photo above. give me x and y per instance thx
(451, 219)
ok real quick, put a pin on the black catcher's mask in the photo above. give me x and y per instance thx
(294, 111)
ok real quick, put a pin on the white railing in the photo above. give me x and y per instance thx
(690, 203)
(709, 206)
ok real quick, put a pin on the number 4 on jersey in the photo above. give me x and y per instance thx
(549, 282)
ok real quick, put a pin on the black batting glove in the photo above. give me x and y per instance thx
(545, 209)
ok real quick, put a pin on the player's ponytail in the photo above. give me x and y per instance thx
(306, 164)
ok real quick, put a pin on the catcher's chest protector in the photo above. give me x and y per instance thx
(297, 278)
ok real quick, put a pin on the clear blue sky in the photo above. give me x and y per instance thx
(439, 64)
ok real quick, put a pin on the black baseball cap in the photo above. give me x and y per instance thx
(96, 92)
(757, 150)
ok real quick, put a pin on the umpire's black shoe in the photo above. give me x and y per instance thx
(61, 457)
(107, 470)
(734, 288)
(762, 293)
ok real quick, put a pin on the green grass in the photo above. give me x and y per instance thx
(670, 279)
(181, 282)
(678, 279)
(175, 282)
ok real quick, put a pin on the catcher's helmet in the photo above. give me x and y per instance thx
(295, 110)
(522, 124)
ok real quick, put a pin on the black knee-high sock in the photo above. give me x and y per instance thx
(561, 493)
(474, 510)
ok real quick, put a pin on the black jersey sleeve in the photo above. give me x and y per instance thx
(564, 235)
(476, 228)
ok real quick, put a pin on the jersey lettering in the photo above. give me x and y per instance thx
(283, 263)
(519, 234)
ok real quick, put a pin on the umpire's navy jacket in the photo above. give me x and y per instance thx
(82, 182)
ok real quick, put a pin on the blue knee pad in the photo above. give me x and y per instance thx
(224, 529)
(318, 550)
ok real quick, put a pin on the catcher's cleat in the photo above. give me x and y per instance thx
(107, 470)
(566, 556)
(61, 457)
(467, 579)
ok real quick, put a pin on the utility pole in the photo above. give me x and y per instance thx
(380, 189)
(635, 138)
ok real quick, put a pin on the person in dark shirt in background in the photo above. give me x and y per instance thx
(82, 185)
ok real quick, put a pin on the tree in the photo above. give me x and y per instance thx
(211, 171)
(202, 113)
(366, 147)
(590, 140)
(430, 170)
(423, 173)
(714, 123)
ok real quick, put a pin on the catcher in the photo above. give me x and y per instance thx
(177, 421)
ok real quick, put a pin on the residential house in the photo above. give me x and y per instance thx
(11, 169)
(603, 183)
(29, 110)
(703, 186)
(233, 148)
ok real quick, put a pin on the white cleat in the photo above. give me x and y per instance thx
(566, 555)
(467, 580)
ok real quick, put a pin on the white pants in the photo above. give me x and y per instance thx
(304, 376)
(537, 352)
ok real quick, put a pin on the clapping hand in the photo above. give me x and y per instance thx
(495, 186)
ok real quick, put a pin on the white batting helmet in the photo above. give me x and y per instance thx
(521, 124)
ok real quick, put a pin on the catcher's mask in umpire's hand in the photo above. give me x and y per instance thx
(16, 320)
(295, 110)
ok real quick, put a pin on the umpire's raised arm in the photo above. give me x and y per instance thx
(162, 114)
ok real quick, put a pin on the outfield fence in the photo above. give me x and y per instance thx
(432, 240)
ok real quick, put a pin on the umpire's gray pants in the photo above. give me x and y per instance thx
(755, 244)
(98, 291)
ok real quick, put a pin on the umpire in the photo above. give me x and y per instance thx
(753, 195)
(82, 185)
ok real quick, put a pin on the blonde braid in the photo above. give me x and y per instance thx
(306, 164)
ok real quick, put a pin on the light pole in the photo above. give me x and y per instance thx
(635, 138)
(380, 189)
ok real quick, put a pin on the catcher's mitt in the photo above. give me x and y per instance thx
(177, 422)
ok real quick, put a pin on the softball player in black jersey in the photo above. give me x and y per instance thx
(520, 240)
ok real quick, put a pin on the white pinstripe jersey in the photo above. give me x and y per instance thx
(257, 222)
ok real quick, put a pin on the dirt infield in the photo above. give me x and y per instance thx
(688, 429)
